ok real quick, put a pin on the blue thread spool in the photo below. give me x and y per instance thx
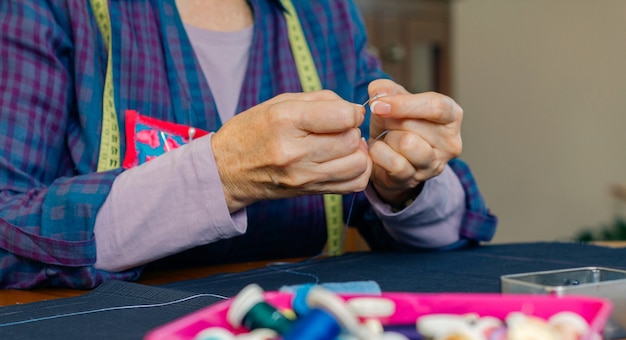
(299, 303)
(317, 324)
(322, 298)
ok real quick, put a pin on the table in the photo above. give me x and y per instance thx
(129, 310)
(14, 296)
(8, 297)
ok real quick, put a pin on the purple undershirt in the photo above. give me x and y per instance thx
(141, 221)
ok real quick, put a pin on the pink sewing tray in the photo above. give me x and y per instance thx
(409, 306)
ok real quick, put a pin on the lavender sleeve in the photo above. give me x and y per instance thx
(170, 204)
(433, 220)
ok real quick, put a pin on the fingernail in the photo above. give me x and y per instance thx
(361, 115)
(361, 109)
(380, 108)
(364, 144)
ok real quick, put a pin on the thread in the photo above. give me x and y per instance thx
(214, 333)
(93, 311)
(298, 302)
(317, 324)
(275, 265)
(249, 310)
(264, 315)
(321, 298)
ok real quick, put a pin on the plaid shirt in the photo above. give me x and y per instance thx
(52, 68)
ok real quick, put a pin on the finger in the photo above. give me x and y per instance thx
(391, 161)
(325, 116)
(429, 106)
(326, 147)
(306, 96)
(351, 183)
(338, 174)
(357, 184)
(345, 169)
(416, 150)
(446, 139)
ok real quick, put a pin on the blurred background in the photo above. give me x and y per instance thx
(543, 87)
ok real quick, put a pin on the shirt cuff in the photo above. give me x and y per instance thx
(432, 220)
(169, 204)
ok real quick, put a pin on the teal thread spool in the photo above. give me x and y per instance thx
(264, 315)
(250, 310)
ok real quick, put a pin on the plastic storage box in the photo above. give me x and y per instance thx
(585, 281)
(410, 306)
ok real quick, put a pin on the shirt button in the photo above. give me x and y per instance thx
(51, 272)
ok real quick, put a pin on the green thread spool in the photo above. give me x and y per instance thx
(264, 315)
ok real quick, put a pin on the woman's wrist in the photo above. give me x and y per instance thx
(400, 201)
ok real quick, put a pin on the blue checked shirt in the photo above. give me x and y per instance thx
(52, 68)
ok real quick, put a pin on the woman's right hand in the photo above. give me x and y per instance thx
(291, 145)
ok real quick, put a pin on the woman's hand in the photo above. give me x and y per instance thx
(423, 134)
(294, 144)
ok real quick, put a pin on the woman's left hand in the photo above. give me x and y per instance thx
(417, 135)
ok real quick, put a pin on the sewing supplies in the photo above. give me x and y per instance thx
(320, 314)
(318, 324)
(369, 287)
(249, 310)
(310, 81)
(218, 333)
(516, 326)
(324, 299)
(607, 283)
(323, 315)
(371, 307)
(214, 333)
(359, 306)
(109, 156)
(111, 309)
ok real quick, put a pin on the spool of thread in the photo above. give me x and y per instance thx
(264, 315)
(299, 302)
(242, 303)
(250, 310)
(214, 333)
(317, 324)
(319, 297)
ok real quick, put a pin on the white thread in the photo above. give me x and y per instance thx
(317, 279)
(345, 228)
(111, 309)
(376, 96)
(382, 134)
(288, 271)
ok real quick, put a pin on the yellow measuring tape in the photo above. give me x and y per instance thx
(109, 156)
(310, 80)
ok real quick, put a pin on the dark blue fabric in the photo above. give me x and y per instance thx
(468, 270)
